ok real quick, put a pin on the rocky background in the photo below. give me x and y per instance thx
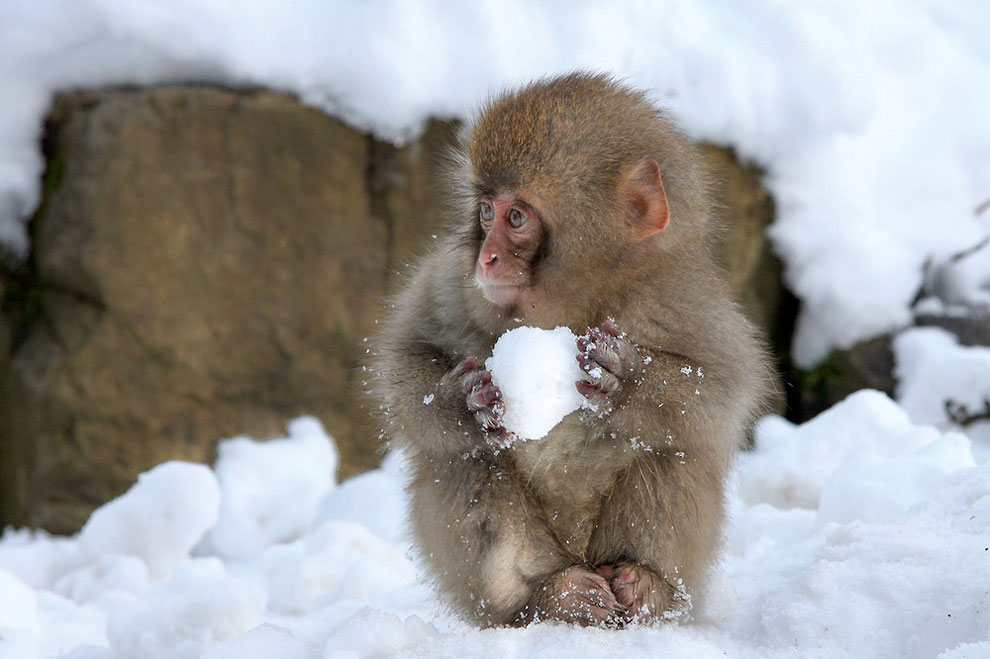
(209, 262)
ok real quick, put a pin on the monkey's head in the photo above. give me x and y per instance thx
(567, 184)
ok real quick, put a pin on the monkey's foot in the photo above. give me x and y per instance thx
(644, 594)
(574, 595)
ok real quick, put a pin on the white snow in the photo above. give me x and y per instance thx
(257, 478)
(870, 120)
(158, 520)
(860, 533)
(932, 367)
(181, 617)
(864, 532)
(536, 370)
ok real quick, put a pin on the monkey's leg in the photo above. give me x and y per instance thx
(658, 533)
(487, 543)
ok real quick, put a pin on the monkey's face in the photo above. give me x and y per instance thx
(512, 233)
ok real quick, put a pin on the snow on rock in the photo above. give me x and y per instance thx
(836, 103)
(182, 616)
(35, 557)
(271, 490)
(158, 520)
(932, 369)
(536, 370)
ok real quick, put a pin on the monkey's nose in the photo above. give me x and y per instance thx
(491, 258)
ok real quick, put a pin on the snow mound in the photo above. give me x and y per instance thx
(158, 520)
(271, 490)
(179, 618)
(858, 533)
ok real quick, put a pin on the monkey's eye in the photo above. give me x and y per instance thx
(517, 218)
(486, 212)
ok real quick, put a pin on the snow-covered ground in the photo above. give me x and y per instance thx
(864, 532)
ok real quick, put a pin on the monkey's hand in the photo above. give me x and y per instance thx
(644, 594)
(605, 354)
(483, 398)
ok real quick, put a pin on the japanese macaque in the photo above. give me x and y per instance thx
(577, 204)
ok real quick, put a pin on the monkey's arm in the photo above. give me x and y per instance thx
(425, 406)
(667, 400)
(681, 420)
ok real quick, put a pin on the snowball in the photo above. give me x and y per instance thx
(183, 615)
(271, 490)
(158, 520)
(536, 370)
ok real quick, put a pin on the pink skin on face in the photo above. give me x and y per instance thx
(512, 234)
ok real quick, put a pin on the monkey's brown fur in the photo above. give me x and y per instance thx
(633, 499)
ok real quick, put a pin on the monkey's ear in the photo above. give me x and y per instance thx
(643, 191)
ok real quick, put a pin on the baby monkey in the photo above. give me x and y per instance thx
(578, 204)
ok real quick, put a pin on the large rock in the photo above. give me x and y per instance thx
(754, 272)
(870, 364)
(207, 263)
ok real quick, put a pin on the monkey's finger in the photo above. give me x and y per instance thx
(619, 341)
(475, 381)
(501, 436)
(484, 394)
(595, 370)
(458, 375)
(600, 602)
(626, 590)
(466, 366)
(603, 349)
(595, 585)
(609, 327)
(604, 380)
(599, 402)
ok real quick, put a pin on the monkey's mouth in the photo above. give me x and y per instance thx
(499, 294)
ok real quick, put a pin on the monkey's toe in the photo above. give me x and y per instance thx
(644, 593)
